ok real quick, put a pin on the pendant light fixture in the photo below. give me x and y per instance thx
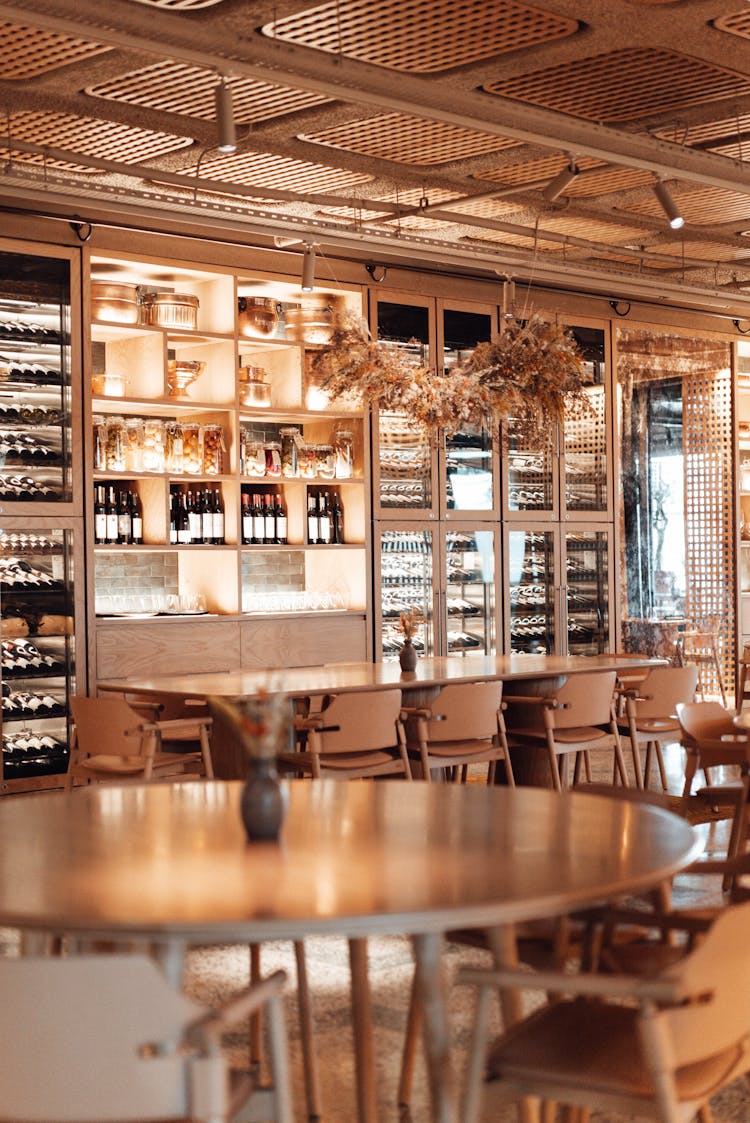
(668, 205)
(561, 181)
(308, 268)
(225, 118)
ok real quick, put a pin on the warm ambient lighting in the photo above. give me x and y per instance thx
(562, 180)
(225, 118)
(308, 269)
(668, 205)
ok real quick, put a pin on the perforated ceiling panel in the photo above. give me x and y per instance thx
(261, 169)
(179, 5)
(700, 206)
(596, 179)
(702, 251)
(409, 140)
(28, 52)
(729, 137)
(421, 35)
(624, 85)
(173, 87)
(518, 240)
(89, 137)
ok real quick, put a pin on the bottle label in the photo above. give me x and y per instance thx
(112, 524)
(312, 528)
(207, 525)
(281, 527)
(137, 527)
(100, 527)
(270, 527)
(259, 527)
(218, 525)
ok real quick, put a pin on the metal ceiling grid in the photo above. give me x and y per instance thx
(737, 24)
(624, 85)
(173, 87)
(421, 36)
(701, 206)
(261, 169)
(409, 140)
(179, 5)
(28, 52)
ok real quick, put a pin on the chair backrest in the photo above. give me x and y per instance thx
(106, 726)
(466, 711)
(704, 721)
(586, 698)
(70, 1034)
(359, 722)
(663, 688)
(717, 972)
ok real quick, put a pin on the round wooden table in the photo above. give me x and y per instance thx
(170, 863)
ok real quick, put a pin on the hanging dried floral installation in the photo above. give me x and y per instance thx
(532, 372)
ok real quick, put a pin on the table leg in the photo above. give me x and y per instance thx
(362, 1024)
(430, 984)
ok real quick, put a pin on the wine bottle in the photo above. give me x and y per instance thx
(100, 516)
(247, 518)
(281, 520)
(173, 518)
(207, 520)
(259, 522)
(269, 520)
(217, 512)
(199, 506)
(136, 518)
(312, 518)
(111, 516)
(123, 519)
(324, 519)
(183, 521)
(194, 520)
(337, 520)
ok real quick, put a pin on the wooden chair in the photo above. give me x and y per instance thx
(651, 716)
(577, 718)
(743, 684)
(113, 743)
(357, 735)
(463, 725)
(700, 646)
(657, 1047)
(711, 740)
(118, 1042)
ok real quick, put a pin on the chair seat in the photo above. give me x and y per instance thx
(655, 725)
(578, 1043)
(456, 749)
(121, 765)
(345, 763)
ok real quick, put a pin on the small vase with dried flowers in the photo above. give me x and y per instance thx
(258, 727)
(407, 656)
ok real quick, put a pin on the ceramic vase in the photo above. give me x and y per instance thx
(407, 656)
(264, 801)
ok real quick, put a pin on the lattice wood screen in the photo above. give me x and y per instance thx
(709, 508)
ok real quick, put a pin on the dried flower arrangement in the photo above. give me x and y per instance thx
(531, 372)
(409, 622)
(257, 723)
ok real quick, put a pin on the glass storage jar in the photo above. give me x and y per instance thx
(343, 443)
(307, 462)
(213, 450)
(272, 451)
(100, 443)
(325, 463)
(291, 442)
(257, 316)
(192, 448)
(134, 444)
(173, 446)
(254, 458)
(153, 445)
(116, 440)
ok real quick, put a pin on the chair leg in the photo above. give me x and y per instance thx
(660, 765)
(307, 1035)
(411, 1042)
(255, 1036)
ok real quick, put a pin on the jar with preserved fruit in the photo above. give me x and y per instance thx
(100, 443)
(213, 450)
(307, 462)
(325, 464)
(255, 457)
(116, 440)
(192, 448)
(291, 442)
(273, 458)
(343, 443)
(153, 445)
(173, 447)
(134, 444)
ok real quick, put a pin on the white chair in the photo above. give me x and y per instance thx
(106, 1038)
(659, 1046)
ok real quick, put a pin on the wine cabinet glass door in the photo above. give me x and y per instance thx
(404, 583)
(470, 568)
(588, 590)
(533, 592)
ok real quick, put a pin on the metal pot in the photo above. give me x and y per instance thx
(169, 310)
(114, 301)
(257, 316)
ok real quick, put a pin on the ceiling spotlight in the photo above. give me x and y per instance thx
(668, 205)
(308, 268)
(562, 180)
(225, 118)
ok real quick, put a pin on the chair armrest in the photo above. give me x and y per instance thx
(660, 990)
(415, 711)
(548, 701)
(206, 1031)
(177, 724)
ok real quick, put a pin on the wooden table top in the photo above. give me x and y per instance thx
(170, 861)
(339, 677)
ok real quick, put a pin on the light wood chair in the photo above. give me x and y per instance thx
(711, 740)
(650, 715)
(743, 680)
(700, 646)
(118, 1042)
(463, 725)
(657, 1047)
(356, 735)
(577, 718)
(113, 743)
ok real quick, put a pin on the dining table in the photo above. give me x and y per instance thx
(170, 864)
